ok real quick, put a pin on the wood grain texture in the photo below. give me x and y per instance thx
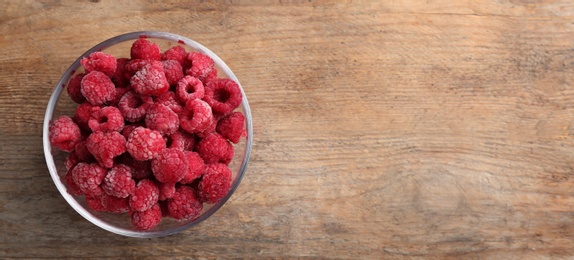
(407, 129)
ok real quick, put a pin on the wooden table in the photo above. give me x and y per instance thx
(382, 130)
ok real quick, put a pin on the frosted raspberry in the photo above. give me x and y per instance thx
(211, 76)
(195, 167)
(162, 119)
(128, 129)
(144, 49)
(169, 100)
(231, 127)
(73, 188)
(134, 65)
(145, 195)
(140, 169)
(105, 146)
(99, 61)
(95, 203)
(166, 190)
(79, 154)
(189, 88)
(88, 177)
(119, 78)
(148, 219)
(144, 143)
(74, 88)
(120, 92)
(216, 183)
(106, 119)
(173, 71)
(196, 116)
(210, 128)
(83, 114)
(223, 95)
(215, 149)
(181, 140)
(150, 80)
(198, 64)
(114, 204)
(133, 106)
(97, 88)
(169, 166)
(184, 204)
(64, 133)
(118, 182)
(177, 53)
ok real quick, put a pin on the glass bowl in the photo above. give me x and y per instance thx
(61, 104)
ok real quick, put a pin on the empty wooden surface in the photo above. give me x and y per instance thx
(383, 129)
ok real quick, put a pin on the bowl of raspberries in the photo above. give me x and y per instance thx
(147, 134)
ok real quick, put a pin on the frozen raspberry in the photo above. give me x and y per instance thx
(129, 128)
(148, 219)
(223, 95)
(181, 140)
(210, 128)
(216, 183)
(74, 88)
(231, 127)
(119, 78)
(95, 203)
(106, 119)
(215, 149)
(166, 190)
(88, 177)
(145, 195)
(162, 119)
(140, 169)
(196, 116)
(169, 166)
(83, 114)
(79, 154)
(169, 99)
(133, 66)
(114, 204)
(118, 182)
(64, 133)
(99, 61)
(189, 88)
(133, 106)
(97, 88)
(105, 146)
(144, 143)
(73, 188)
(211, 76)
(195, 167)
(150, 80)
(173, 71)
(177, 53)
(198, 64)
(144, 49)
(120, 92)
(184, 204)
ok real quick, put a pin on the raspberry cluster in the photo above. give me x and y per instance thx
(152, 135)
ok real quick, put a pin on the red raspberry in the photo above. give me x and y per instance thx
(134, 107)
(128, 129)
(106, 119)
(198, 64)
(216, 183)
(134, 65)
(120, 92)
(83, 114)
(189, 88)
(184, 204)
(166, 190)
(173, 71)
(162, 119)
(97, 88)
(143, 143)
(177, 53)
(223, 95)
(64, 133)
(195, 167)
(150, 80)
(88, 177)
(215, 149)
(211, 76)
(169, 166)
(105, 146)
(145, 195)
(231, 127)
(181, 140)
(140, 169)
(99, 61)
(196, 116)
(79, 154)
(74, 88)
(144, 49)
(168, 99)
(119, 78)
(210, 128)
(148, 219)
(73, 188)
(95, 203)
(114, 204)
(118, 182)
